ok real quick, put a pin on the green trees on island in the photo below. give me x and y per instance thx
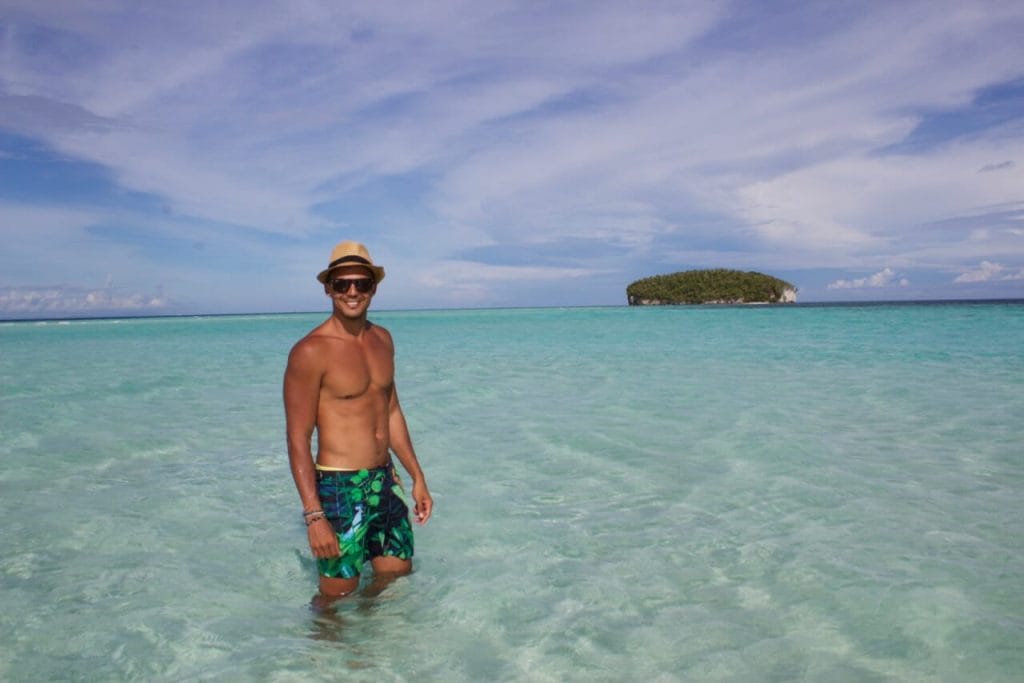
(718, 286)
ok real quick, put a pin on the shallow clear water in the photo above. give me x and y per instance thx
(826, 493)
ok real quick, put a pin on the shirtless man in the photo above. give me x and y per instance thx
(340, 381)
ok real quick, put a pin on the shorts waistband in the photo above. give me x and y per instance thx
(322, 471)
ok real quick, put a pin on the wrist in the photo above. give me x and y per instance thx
(311, 516)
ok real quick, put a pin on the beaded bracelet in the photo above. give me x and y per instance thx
(307, 513)
(318, 515)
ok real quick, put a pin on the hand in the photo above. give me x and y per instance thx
(424, 503)
(322, 539)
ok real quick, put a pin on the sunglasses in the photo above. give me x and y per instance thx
(341, 286)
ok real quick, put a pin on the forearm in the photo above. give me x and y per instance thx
(401, 446)
(300, 458)
(407, 456)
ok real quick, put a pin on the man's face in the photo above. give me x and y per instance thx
(344, 287)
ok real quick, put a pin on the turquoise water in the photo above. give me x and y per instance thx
(818, 493)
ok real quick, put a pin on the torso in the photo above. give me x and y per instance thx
(355, 395)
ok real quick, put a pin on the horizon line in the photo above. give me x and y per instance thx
(798, 304)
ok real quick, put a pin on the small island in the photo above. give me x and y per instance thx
(714, 286)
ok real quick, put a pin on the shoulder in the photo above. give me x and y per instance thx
(310, 350)
(380, 335)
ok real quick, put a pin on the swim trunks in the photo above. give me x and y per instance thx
(370, 515)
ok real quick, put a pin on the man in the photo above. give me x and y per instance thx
(340, 381)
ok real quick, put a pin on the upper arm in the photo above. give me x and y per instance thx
(384, 339)
(302, 380)
(393, 406)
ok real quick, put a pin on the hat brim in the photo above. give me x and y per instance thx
(378, 271)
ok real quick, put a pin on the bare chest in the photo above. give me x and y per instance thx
(354, 371)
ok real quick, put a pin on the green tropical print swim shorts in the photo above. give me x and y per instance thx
(370, 513)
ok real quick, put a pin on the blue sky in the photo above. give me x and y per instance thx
(205, 157)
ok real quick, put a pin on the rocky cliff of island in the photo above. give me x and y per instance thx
(714, 286)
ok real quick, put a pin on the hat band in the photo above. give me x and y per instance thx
(350, 258)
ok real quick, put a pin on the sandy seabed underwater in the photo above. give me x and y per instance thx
(798, 493)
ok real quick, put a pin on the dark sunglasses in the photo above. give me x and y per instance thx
(341, 286)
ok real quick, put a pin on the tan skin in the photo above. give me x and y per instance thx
(340, 381)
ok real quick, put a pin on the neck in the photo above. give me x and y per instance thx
(352, 327)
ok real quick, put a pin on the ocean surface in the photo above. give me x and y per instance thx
(799, 493)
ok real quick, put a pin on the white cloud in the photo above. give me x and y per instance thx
(65, 300)
(863, 203)
(883, 278)
(654, 127)
(987, 271)
(786, 149)
(246, 117)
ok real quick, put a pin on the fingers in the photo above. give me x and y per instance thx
(322, 540)
(424, 507)
(329, 550)
(326, 551)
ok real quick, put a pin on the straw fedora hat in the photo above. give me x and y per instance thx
(350, 253)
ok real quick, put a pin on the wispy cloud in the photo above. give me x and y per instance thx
(988, 271)
(836, 140)
(465, 283)
(883, 278)
(70, 300)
